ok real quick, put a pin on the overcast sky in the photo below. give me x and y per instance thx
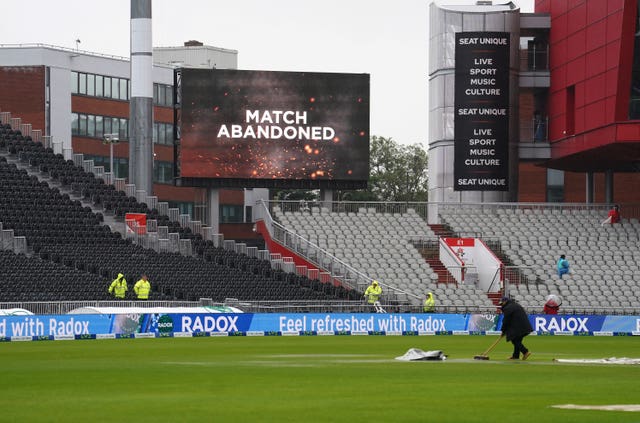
(384, 38)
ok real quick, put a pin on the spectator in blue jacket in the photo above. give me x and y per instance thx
(563, 266)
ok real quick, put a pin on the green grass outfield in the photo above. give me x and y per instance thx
(313, 379)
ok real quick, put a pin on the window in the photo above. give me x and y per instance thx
(169, 134)
(120, 164)
(74, 123)
(163, 172)
(91, 85)
(99, 83)
(169, 95)
(95, 126)
(99, 127)
(107, 87)
(124, 129)
(82, 86)
(115, 88)
(74, 82)
(82, 128)
(185, 208)
(115, 126)
(124, 89)
(163, 133)
(91, 126)
(231, 213)
(161, 95)
(107, 125)
(555, 186)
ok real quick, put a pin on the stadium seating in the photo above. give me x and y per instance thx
(381, 245)
(73, 255)
(47, 206)
(604, 259)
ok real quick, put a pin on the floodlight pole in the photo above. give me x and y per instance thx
(111, 139)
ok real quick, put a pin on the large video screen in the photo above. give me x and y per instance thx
(273, 126)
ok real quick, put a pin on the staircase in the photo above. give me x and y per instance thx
(432, 256)
(445, 231)
(494, 297)
(442, 230)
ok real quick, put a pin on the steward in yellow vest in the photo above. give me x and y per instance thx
(142, 288)
(119, 287)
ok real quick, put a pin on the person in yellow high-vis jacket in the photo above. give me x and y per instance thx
(429, 303)
(119, 287)
(142, 288)
(372, 295)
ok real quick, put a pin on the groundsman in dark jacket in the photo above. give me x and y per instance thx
(515, 326)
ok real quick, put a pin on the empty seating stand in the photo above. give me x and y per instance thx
(73, 256)
(605, 260)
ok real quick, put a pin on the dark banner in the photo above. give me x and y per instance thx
(266, 126)
(481, 161)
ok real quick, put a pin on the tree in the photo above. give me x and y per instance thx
(397, 173)
(297, 194)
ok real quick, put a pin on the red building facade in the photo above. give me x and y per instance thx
(593, 127)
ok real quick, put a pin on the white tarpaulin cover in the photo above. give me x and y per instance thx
(416, 354)
(611, 360)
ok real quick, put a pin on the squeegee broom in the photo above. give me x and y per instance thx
(484, 355)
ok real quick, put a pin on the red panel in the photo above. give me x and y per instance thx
(558, 26)
(628, 132)
(611, 82)
(556, 103)
(558, 7)
(596, 10)
(577, 18)
(558, 54)
(576, 45)
(572, 4)
(576, 70)
(614, 5)
(579, 120)
(275, 247)
(542, 6)
(600, 136)
(610, 110)
(594, 115)
(596, 34)
(558, 79)
(556, 127)
(627, 42)
(613, 55)
(596, 61)
(594, 89)
(579, 95)
(614, 26)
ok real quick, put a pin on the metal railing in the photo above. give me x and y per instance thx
(534, 130)
(534, 59)
(442, 306)
(339, 270)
